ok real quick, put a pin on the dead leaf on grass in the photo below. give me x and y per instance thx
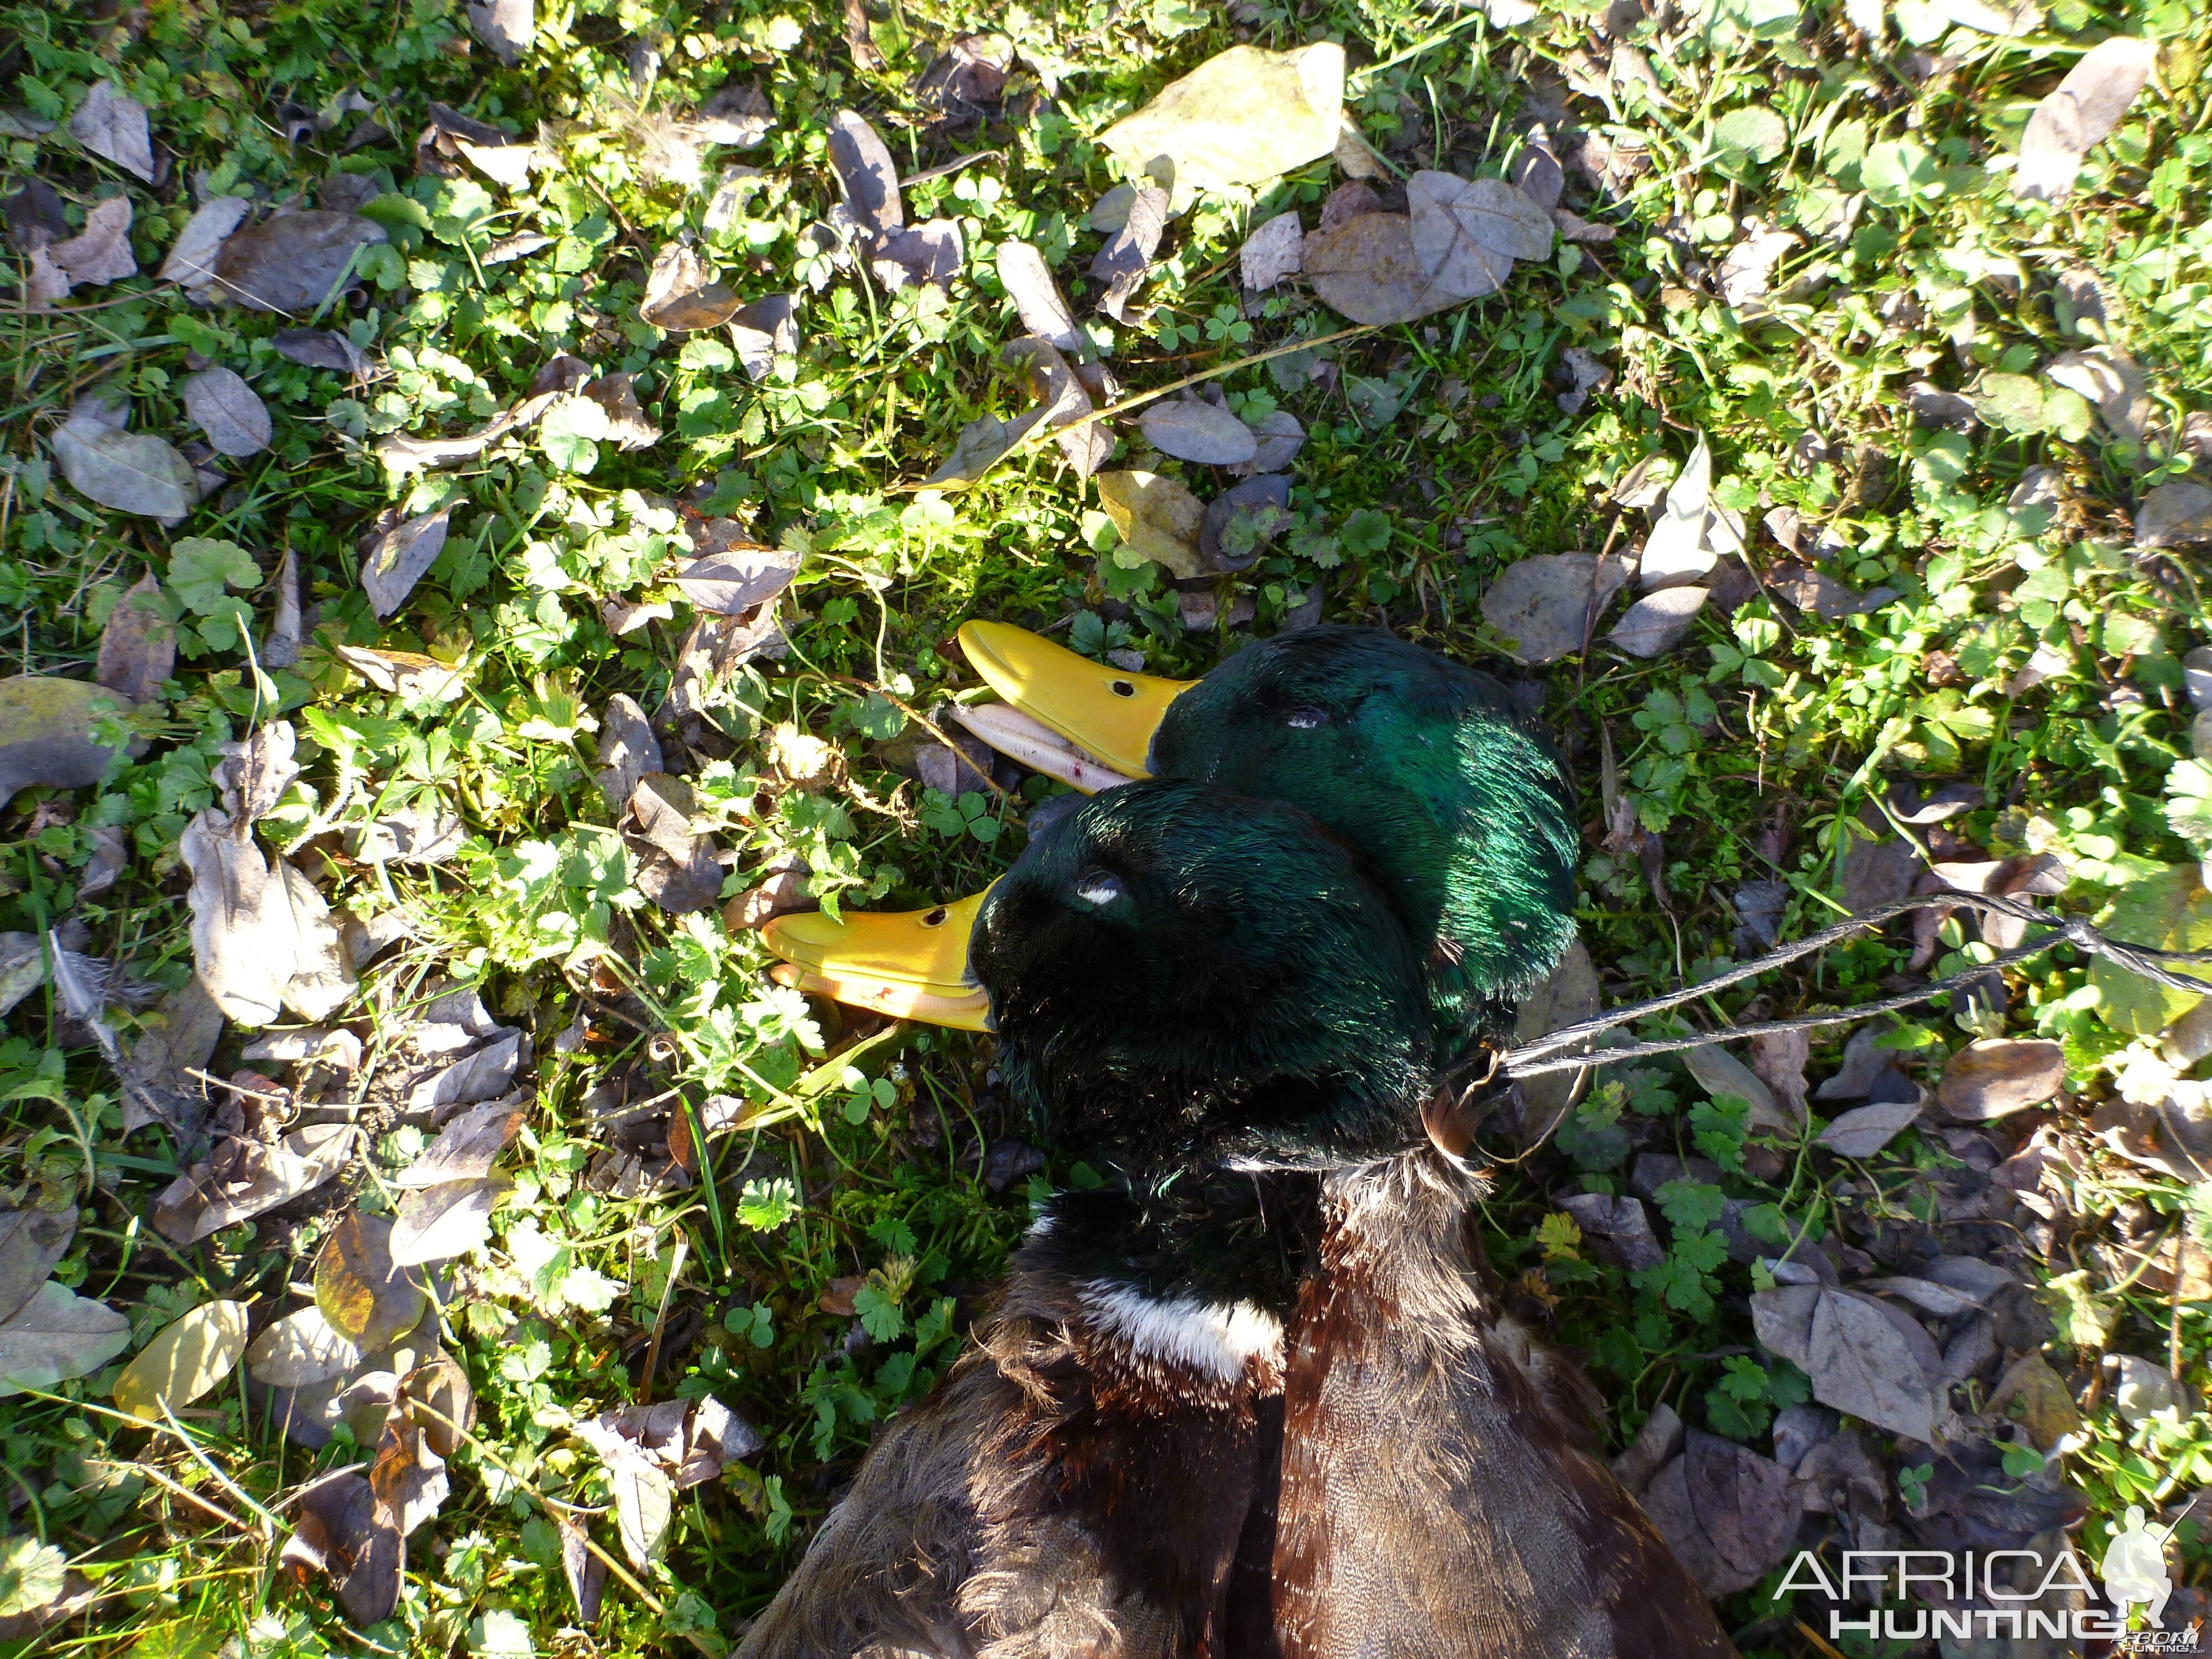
(932, 254)
(982, 444)
(300, 1351)
(2174, 514)
(681, 295)
(1995, 1077)
(627, 749)
(651, 1452)
(394, 560)
(1543, 605)
(1367, 269)
(190, 1356)
(243, 1177)
(627, 426)
(1065, 401)
(735, 577)
(46, 728)
(407, 674)
(1468, 233)
(866, 174)
(263, 939)
(56, 1335)
(294, 261)
(191, 257)
(320, 347)
(1863, 1358)
(1746, 272)
(230, 413)
(101, 253)
(1272, 253)
(507, 26)
(2172, 1134)
(1045, 313)
(1659, 621)
(1158, 518)
(1241, 523)
(131, 471)
(137, 645)
(1728, 1513)
(765, 331)
(1279, 438)
(1865, 1130)
(1127, 255)
(367, 1297)
(1191, 429)
(2037, 1397)
(1676, 552)
(341, 1531)
(2074, 118)
(1243, 117)
(438, 1223)
(113, 124)
(33, 1242)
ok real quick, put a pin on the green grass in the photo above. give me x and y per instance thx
(1437, 456)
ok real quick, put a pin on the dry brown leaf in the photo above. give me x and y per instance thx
(1659, 621)
(1158, 518)
(396, 560)
(1728, 1513)
(2075, 115)
(102, 252)
(137, 645)
(1065, 400)
(32, 1244)
(681, 295)
(1045, 313)
(507, 26)
(1995, 1077)
(113, 124)
(736, 576)
(241, 1178)
(341, 1530)
(866, 174)
(1127, 255)
(2174, 514)
(58, 1335)
(131, 471)
(369, 1299)
(1865, 1130)
(627, 749)
(46, 732)
(191, 257)
(1468, 233)
(1276, 250)
(300, 1350)
(438, 1223)
(1367, 268)
(190, 1356)
(934, 253)
(294, 261)
(1191, 429)
(1544, 604)
(1241, 117)
(228, 411)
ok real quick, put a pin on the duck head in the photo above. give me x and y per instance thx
(1183, 978)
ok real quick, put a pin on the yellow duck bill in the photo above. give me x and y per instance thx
(912, 964)
(1087, 724)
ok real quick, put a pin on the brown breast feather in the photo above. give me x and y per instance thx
(1437, 1496)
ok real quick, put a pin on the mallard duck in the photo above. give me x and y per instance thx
(1183, 982)
(1253, 1396)
(1423, 765)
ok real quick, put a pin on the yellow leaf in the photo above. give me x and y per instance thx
(190, 1356)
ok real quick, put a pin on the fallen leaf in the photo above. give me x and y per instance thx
(627, 749)
(180, 1033)
(37, 216)
(651, 1452)
(300, 1350)
(1367, 269)
(484, 1075)
(407, 674)
(56, 1335)
(320, 347)
(1127, 255)
(1994, 1076)
(190, 1356)
(866, 174)
(981, 445)
(341, 1530)
(1241, 117)
(2075, 116)
(627, 427)
(1944, 1301)
(294, 261)
(1622, 1222)
(1659, 621)
(1653, 1449)
(932, 254)
(101, 253)
(131, 471)
(241, 1178)
(1192, 429)
(1585, 375)
(1044, 313)
(395, 561)
(2114, 381)
(32, 1244)
(367, 1297)
(586, 1573)
(1543, 606)
(235, 420)
(262, 936)
(1745, 273)
(191, 257)
(441, 1223)
(465, 1148)
(681, 295)
(1823, 595)
(1865, 1130)
(1726, 1513)
(137, 645)
(1158, 518)
(46, 728)
(2142, 1390)
(1468, 233)
(1241, 523)
(111, 124)
(2172, 1134)
(1862, 1360)
(507, 26)
(1675, 552)
(732, 581)
(1720, 1072)
(2173, 513)
(1273, 252)
(408, 835)
(2037, 1397)
(764, 330)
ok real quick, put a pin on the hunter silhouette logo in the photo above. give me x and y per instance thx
(2135, 1567)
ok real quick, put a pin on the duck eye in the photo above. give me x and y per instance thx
(1306, 719)
(1100, 887)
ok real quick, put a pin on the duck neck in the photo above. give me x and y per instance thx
(1195, 1274)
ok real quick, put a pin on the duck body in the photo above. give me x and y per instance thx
(1440, 1495)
